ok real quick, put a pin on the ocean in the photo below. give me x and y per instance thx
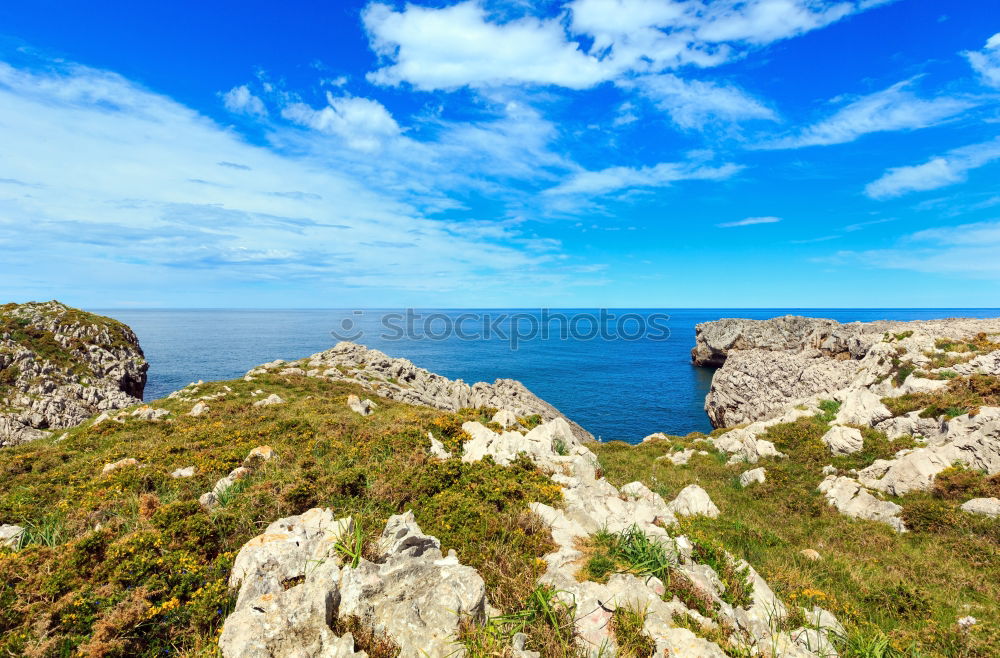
(634, 380)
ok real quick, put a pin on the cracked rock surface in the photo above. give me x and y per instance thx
(59, 366)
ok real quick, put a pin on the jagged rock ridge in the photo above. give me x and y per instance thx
(59, 366)
(400, 379)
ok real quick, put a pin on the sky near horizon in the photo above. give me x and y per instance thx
(501, 153)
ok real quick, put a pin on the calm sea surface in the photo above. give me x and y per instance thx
(617, 389)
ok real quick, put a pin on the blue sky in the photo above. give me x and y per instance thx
(761, 153)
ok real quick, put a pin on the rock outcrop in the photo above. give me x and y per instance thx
(399, 379)
(302, 579)
(59, 366)
(766, 366)
(776, 371)
(295, 590)
(592, 504)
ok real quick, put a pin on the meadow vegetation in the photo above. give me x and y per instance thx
(129, 564)
(896, 594)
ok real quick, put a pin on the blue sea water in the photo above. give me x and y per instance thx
(617, 389)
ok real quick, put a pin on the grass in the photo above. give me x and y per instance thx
(632, 551)
(962, 395)
(130, 564)
(896, 594)
(627, 624)
(546, 619)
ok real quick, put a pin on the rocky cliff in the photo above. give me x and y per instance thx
(766, 366)
(935, 384)
(59, 366)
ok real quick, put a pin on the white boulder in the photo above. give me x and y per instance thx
(10, 535)
(359, 406)
(862, 407)
(843, 440)
(753, 475)
(852, 499)
(198, 409)
(985, 506)
(694, 501)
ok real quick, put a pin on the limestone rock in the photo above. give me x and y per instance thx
(415, 596)
(198, 409)
(357, 405)
(852, 499)
(506, 419)
(984, 506)
(61, 366)
(810, 554)
(273, 619)
(767, 366)
(753, 475)
(285, 551)
(149, 413)
(10, 535)
(843, 440)
(759, 384)
(399, 379)
(273, 398)
(544, 444)
(186, 472)
(121, 463)
(971, 441)
(437, 448)
(694, 501)
(862, 407)
(259, 454)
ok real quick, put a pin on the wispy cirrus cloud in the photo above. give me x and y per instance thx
(614, 179)
(695, 103)
(986, 62)
(939, 171)
(892, 109)
(750, 221)
(967, 249)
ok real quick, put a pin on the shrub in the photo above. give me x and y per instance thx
(961, 483)
(928, 515)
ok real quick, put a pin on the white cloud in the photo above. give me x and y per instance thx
(986, 62)
(895, 108)
(693, 103)
(750, 221)
(122, 189)
(609, 180)
(965, 250)
(463, 45)
(458, 46)
(363, 123)
(241, 101)
(937, 172)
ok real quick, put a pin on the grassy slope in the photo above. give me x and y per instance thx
(905, 590)
(151, 580)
